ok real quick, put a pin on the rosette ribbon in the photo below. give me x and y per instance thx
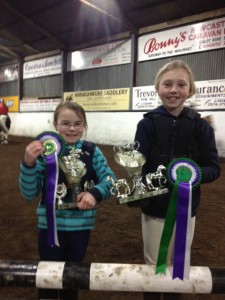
(184, 174)
(54, 148)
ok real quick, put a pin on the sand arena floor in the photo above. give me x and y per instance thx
(117, 236)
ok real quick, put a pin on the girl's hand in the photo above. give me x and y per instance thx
(32, 151)
(85, 200)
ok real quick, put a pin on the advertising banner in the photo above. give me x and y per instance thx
(187, 39)
(100, 56)
(12, 102)
(42, 67)
(101, 100)
(210, 95)
(145, 98)
(31, 105)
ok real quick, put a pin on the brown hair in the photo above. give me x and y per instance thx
(77, 108)
(175, 65)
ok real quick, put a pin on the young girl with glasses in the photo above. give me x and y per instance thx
(73, 225)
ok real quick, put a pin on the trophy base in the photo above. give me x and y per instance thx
(70, 205)
(135, 197)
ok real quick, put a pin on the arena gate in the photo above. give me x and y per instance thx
(108, 277)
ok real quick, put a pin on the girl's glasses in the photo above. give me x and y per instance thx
(68, 125)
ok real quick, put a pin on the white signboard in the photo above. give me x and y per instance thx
(100, 56)
(42, 67)
(187, 39)
(39, 104)
(210, 95)
(145, 98)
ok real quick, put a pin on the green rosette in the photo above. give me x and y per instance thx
(52, 142)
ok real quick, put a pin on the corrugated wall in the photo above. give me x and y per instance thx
(9, 88)
(103, 78)
(49, 86)
(207, 65)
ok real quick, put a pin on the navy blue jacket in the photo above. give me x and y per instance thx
(177, 137)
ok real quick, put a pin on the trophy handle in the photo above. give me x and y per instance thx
(136, 145)
(117, 149)
(88, 185)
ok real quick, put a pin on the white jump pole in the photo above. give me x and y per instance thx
(109, 277)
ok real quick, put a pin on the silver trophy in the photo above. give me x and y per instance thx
(132, 161)
(74, 169)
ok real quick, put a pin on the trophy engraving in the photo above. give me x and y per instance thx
(132, 161)
(74, 169)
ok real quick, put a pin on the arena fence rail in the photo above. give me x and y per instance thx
(108, 277)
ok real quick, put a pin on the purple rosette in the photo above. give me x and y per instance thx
(187, 174)
(184, 170)
(54, 148)
(53, 142)
(184, 174)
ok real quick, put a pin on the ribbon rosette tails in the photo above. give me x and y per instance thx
(54, 148)
(184, 175)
